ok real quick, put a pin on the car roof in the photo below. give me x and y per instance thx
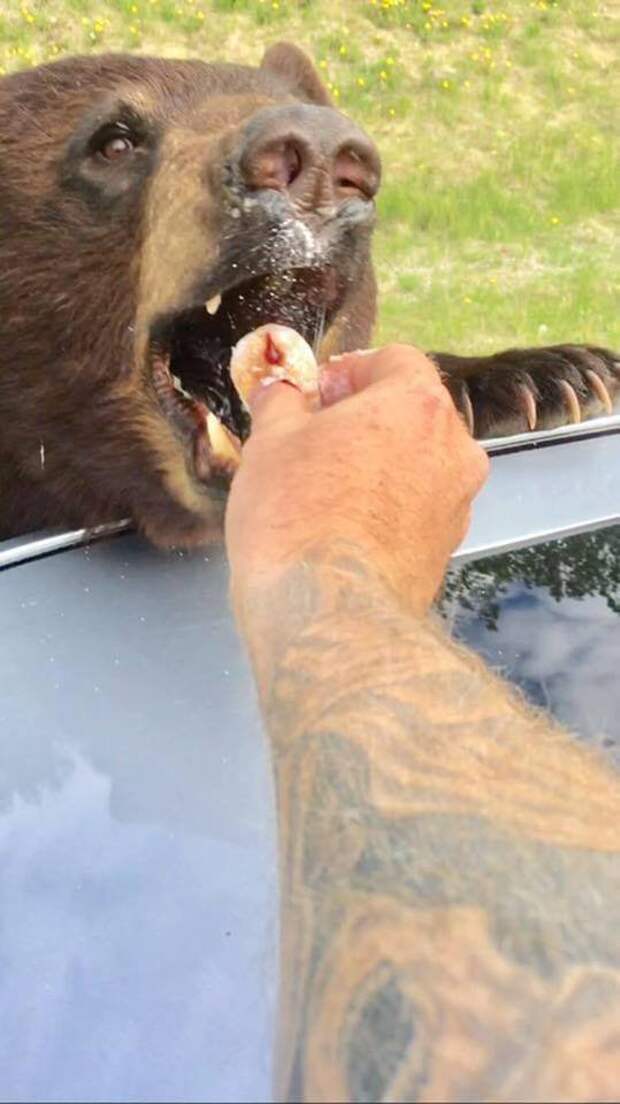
(139, 870)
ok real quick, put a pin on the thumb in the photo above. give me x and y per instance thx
(276, 402)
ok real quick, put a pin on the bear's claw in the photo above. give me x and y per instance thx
(528, 399)
(600, 390)
(526, 389)
(572, 402)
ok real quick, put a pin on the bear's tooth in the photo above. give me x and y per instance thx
(226, 448)
(180, 388)
(213, 304)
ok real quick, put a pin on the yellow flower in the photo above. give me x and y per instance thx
(361, 82)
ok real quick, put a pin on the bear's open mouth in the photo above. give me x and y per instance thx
(190, 351)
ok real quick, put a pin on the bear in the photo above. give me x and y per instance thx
(154, 211)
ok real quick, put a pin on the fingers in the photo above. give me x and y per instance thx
(413, 388)
(351, 373)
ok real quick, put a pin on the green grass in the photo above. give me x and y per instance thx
(498, 126)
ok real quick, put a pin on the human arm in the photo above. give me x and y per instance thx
(450, 877)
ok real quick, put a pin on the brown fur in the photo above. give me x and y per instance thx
(84, 268)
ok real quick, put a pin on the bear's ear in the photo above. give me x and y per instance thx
(294, 67)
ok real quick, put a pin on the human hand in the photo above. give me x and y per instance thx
(386, 466)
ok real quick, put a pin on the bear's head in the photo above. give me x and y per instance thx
(151, 213)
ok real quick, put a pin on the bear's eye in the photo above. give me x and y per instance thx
(116, 147)
(114, 142)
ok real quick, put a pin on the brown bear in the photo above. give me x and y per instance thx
(151, 213)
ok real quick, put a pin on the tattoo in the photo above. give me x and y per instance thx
(450, 862)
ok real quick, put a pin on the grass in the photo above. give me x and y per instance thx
(497, 122)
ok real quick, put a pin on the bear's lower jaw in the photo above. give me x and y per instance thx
(176, 526)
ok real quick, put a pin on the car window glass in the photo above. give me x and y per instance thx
(548, 618)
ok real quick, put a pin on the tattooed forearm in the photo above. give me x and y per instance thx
(450, 862)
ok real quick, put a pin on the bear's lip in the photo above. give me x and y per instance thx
(190, 351)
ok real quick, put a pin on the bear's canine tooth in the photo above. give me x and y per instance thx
(226, 448)
(179, 387)
(213, 304)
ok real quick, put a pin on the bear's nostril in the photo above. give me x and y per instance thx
(356, 172)
(276, 165)
(293, 160)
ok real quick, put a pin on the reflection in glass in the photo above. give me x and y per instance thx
(547, 617)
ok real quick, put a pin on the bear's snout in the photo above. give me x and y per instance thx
(313, 154)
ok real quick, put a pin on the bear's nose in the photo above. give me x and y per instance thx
(315, 154)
